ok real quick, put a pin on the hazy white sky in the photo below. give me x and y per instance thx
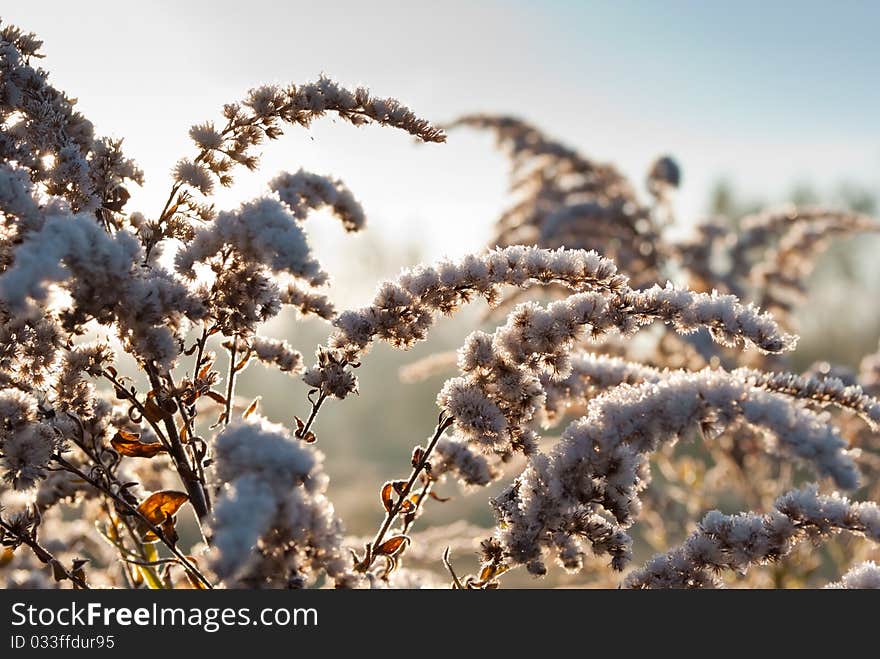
(765, 93)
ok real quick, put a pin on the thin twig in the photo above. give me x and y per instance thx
(44, 555)
(230, 385)
(316, 406)
(448, 563)
(160, 561)
(442, 425)
(418, 505)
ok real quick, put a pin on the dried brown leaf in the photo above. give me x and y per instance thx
(417, 455)
(252, 407)
(203, 372)
(126, 443)
(216, 397)
(386, 496)
(159, 508)
(392, 545)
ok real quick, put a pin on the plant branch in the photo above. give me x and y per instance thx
(442, 425)
(316, 406)
(426, 488)
(195, 489)
(230, 385)
(44, 555)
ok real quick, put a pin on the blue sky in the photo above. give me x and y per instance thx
(767, 94)
(760, 68)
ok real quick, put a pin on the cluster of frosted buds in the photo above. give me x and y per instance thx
(43, 133)
(27, 440)
(260, 254)
(272, 527)
(261, 259)
(865, 576)
(30, 342)
(331, 374)
(590, 375)
(277, 353)
(29, 347)
(22, 209)
(102, 274)
(304, 191)
(306, 301)
(261, 231)
(827, 390)
(73, 391)
(500, 392)
(403, 311)
(260, 117)
(454, 457)
(737, 542)
(564, 198)
(600, 464)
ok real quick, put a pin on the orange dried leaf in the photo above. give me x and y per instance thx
(385, 495)
(439, 498)
(203, 372)
(217, 398)
(127, 444)
(492, 572)
(392, 545)
(244, 362)
(252, 407)
(161, 505)
(159, 508)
